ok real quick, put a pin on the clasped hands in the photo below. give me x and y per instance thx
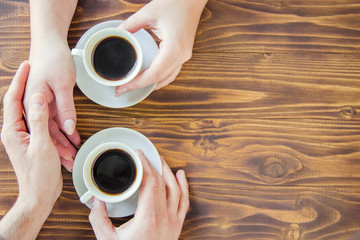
(44, 93)
(163, 200)
(53, 71)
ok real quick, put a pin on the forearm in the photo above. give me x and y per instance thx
(50, 21)
(24, 220)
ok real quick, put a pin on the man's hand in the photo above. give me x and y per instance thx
(174, 22)
(162, 206)
(35, 160)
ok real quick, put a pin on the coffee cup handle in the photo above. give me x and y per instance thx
(77, 52)
(86, 197)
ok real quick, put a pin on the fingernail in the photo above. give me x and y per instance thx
(182, 173)
(139, 152)
(37, 101)
(70, 170)
(69, 126)
(120, 92)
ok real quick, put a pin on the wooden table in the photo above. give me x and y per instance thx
(264, 118)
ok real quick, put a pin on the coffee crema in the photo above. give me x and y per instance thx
(114, 58)
(114, 171)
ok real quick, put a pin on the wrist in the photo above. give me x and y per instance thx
(35, 210)
(24, 220)
(39, 206)
(45, 48)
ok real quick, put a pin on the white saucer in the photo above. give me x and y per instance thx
(105, 95)
(127, 136)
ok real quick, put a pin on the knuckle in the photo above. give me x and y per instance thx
(187, 203)
(156, 183)
(187, 55)
(160, 183)
(165, 221)
(67, 108)
(6, 99)
(35, 116)
(185, 52)
(4, 137)
(92, 216)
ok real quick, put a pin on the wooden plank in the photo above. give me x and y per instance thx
(248, 178)
(234, 211)
(250, 152)
(286, 25)
(264, 118)
(247, 85)
(226, 25)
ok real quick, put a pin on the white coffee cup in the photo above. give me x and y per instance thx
(87, 55)
(93, 189)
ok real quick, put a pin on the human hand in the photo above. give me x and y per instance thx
(34, 157)
(174, 22)
(52, 74)
(162, 206)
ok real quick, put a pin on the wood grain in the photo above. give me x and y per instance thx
(255, 85)
(264, 118)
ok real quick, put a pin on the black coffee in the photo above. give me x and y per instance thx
(114, 171)
(114, 58)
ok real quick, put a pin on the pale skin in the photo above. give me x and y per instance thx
(174, 22)
(163, 200)
(30, 154)
(162, 206)
(52, 73)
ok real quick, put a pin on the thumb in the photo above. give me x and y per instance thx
(100, 221)
(66, 110)
(137, 21)
(38, 118)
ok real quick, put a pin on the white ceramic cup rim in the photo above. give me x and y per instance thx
(93, 190)
(98, 37)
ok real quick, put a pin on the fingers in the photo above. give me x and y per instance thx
(159, 191)
(172, 189)
(59, 138)
(168, 80)
(184, 201)
(160, 68)
(152, 195)
(100, 221)
(38, 118)
(68, 165)
(13, 99)
(177, 191)
(74, 138)
(66, 152)
(138, 20)
(66, 109)
(65, 156)
(149, 170)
